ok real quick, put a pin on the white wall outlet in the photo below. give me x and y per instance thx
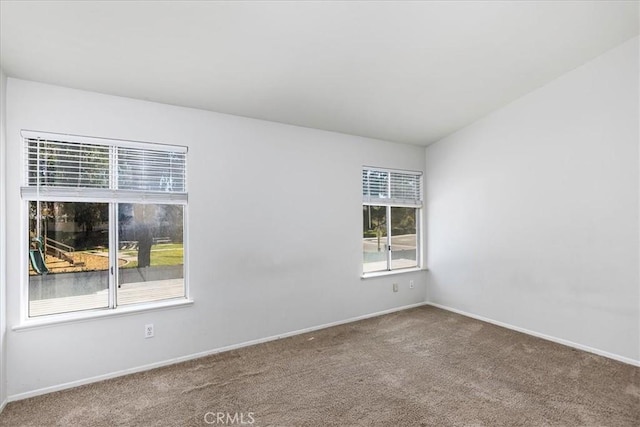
(410, 284)
(395, 287)
(148, 330)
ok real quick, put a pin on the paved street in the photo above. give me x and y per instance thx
(398, 243)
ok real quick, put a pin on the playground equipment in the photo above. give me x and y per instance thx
(42, 245)
(36, 256)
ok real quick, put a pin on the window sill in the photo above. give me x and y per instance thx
(57, 319)
(390, 272)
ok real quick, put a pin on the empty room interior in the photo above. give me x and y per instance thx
(320, 213)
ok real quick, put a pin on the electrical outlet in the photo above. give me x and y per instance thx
(395, 287)
(148, 330)
(410, 284)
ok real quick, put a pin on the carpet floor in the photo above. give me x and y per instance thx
(419, 367)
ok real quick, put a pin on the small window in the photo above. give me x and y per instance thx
(392, 201)
(106, 223)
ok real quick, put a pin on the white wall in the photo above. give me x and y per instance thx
(533, 211)
(3, 358)
(274, 228)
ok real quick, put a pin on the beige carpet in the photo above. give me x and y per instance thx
(419, 367)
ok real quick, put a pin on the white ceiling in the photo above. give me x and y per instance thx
(400, 71)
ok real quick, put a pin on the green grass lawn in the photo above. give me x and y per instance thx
(162, 254)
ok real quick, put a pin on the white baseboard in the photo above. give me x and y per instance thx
(173, 361)
(3, 404)
(543, 336)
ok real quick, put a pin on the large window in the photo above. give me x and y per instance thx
(106, 223)
(391, 206)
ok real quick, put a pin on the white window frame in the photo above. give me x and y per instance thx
(112, 197)
(389, 200)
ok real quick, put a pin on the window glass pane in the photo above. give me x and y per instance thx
(374, 239)
(403, 237)
(68, 257)
(150, 252)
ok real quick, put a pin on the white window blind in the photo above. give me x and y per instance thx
(391, 187)
(63, 162)
(150, 170)
(67, 164)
